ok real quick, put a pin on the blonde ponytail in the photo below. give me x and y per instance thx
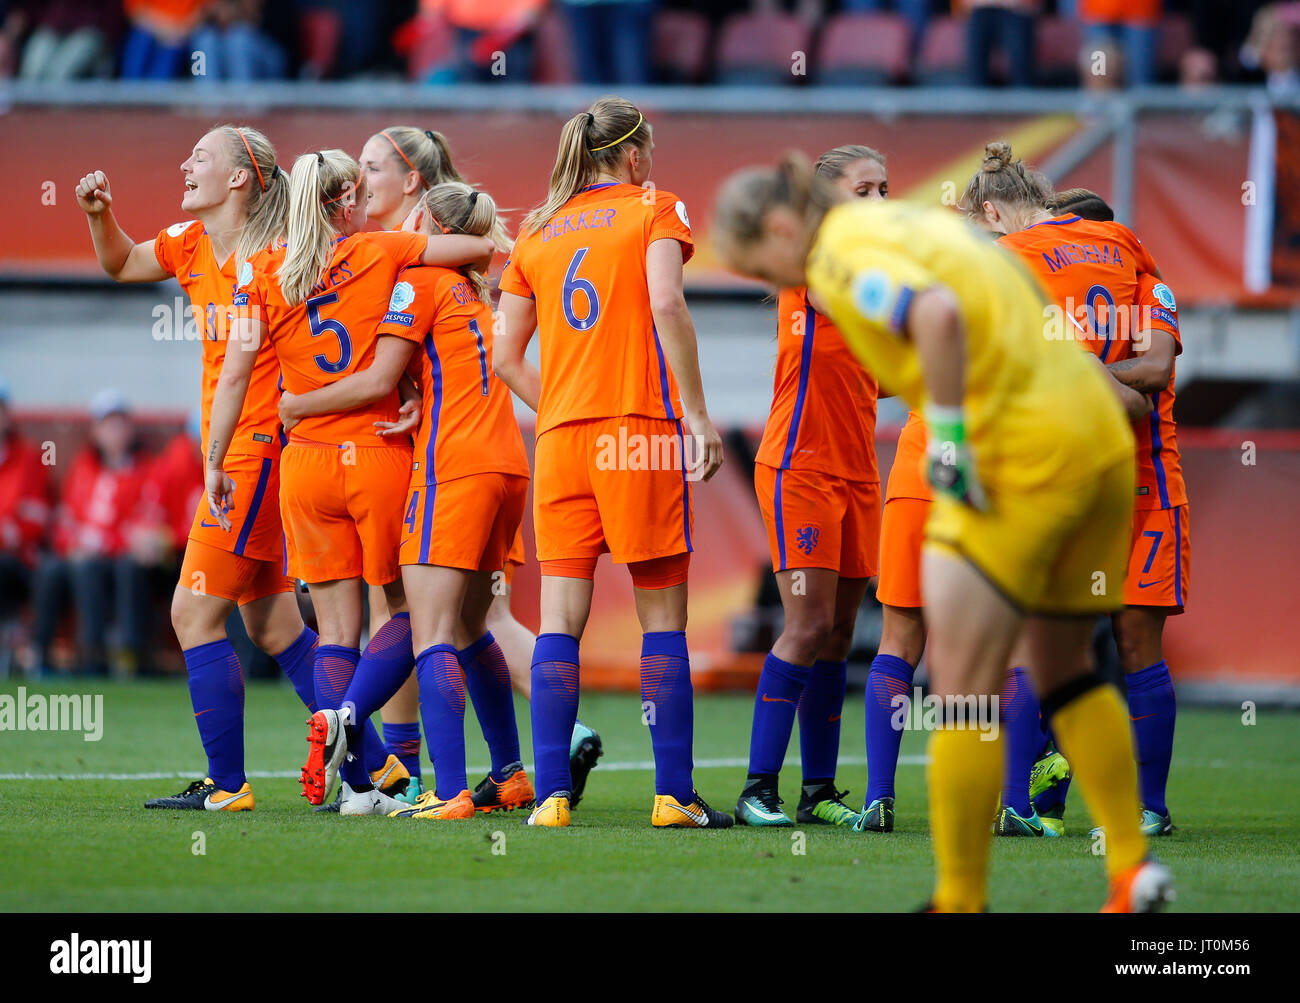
(459, 208)
(424, 151)
(267, 207)
(590, 143)
(317, 186)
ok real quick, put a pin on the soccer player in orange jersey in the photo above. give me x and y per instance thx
(597, 271)
(319, 301)
(401, 163)
(237, 194)
(468, 488)
(1092, 272)
(1159, 566)
(819, 491)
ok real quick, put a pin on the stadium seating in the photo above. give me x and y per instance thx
(681, 47)
(319, 33)
(1175, 36)
(942, 60)
(760, 48)
(1057, 43)
(554, 61)
(864, 50)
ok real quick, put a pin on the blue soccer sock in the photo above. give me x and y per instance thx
(888, 696)
(554, 709)
(442, 710)
(403, 737)
(1019, 714)
(780, 685)
(669, 700)
(488, 680)
(298, 662)
(336, 664)
(217, 694)
(1152, 709)
(384, 666)
(820, 709)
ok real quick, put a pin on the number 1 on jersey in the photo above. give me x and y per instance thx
(482, 353)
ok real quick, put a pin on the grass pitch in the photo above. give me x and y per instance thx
(75, 837)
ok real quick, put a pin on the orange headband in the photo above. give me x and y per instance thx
(260, 179)
(401, 154)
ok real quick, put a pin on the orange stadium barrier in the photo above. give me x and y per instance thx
(1241, 600)
(1188, 184)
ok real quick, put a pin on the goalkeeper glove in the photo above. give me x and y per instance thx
(950, 464)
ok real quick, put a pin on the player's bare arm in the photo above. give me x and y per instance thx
(227, 404)
(121, 257)
(356, 389)
(677, 333)
(1151, 369)
(518, 324)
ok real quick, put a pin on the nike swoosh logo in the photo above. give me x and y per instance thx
(210, 803)
(1142, 718)
(768, 699)
(201, 712)
(1145, 585)
(832, 720)
(196, 275)
(209, 525)
(698, 817)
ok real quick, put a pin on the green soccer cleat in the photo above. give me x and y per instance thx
(760, 805)
(1010, 823)
(1149, 822)
(584, 749)
(1156, 825)
(1053, 820)
(414, 788)
(876, 817)
(821, 804)
(1051, 770)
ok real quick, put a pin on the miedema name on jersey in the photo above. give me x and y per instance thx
(1077, 254)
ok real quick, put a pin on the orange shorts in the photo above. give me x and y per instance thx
(902, 530)
(342, 510)
(517, 557)
(255, 529)
(816, 520)
(466, 522)
(612, 484)
(207, 570)
(1160, 559)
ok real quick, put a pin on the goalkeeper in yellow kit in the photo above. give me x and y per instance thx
(1031, 459)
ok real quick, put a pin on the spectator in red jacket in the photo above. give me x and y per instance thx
(24, 515)
(178, 481)
(105, 541)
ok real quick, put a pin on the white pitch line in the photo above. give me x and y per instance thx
(613, 767)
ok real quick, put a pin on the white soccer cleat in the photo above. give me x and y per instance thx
(371, 802)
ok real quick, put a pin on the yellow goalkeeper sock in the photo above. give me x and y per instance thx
(1094, 735)
(964, 777)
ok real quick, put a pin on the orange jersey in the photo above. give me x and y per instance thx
(823, 414)
(468, 425)
(333, 333)
(906, 476)
(1159, 466)
(185, 250)
(1091, 271)
(600, 353)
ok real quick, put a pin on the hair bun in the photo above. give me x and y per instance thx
(996, 156)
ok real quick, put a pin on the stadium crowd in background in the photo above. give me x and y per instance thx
(102, 536)
(977, 42)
